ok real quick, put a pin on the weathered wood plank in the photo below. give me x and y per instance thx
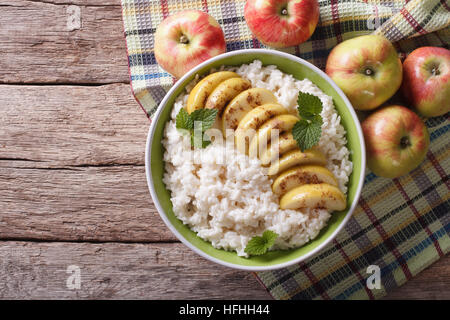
(127, 271)
(40, 42)
(56, 126)
(72, 165)
(79, 204)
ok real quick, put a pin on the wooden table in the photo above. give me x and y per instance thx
(72, 180)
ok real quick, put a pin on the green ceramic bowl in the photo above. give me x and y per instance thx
(154, 164)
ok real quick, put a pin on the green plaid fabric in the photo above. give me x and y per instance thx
(400, 225)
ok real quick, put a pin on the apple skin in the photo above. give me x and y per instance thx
(282, 23)
(367, 69)
(397, 141)
(186, 39)
(428, 91)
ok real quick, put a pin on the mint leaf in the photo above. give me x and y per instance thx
(256, 246)
(308, 105)
(259, 245)
(269, 236)
(184, 120)
(206, 116)
(307, 132)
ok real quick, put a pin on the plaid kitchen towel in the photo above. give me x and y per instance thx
(400, 226)
(339, 20)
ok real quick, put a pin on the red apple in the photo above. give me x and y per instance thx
(397, 141)
(426, 80)
(282, 23)
(186, 39)
(367, 69)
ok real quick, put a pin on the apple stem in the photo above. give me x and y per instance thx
(404, 142)
(184, 39)
(284, 12)
(368, 72)
(435, 71)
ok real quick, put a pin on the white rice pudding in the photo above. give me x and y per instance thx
(227, 199)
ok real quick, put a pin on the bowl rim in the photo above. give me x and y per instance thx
(161, 211)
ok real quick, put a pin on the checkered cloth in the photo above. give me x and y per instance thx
(400, 225)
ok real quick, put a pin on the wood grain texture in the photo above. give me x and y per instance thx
(72, 165)
(112, 270)
(79, 204)
(55, 126)
(38, 44)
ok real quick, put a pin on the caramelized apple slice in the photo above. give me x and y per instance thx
(315, 196)
(297, 176)
(198, 96)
